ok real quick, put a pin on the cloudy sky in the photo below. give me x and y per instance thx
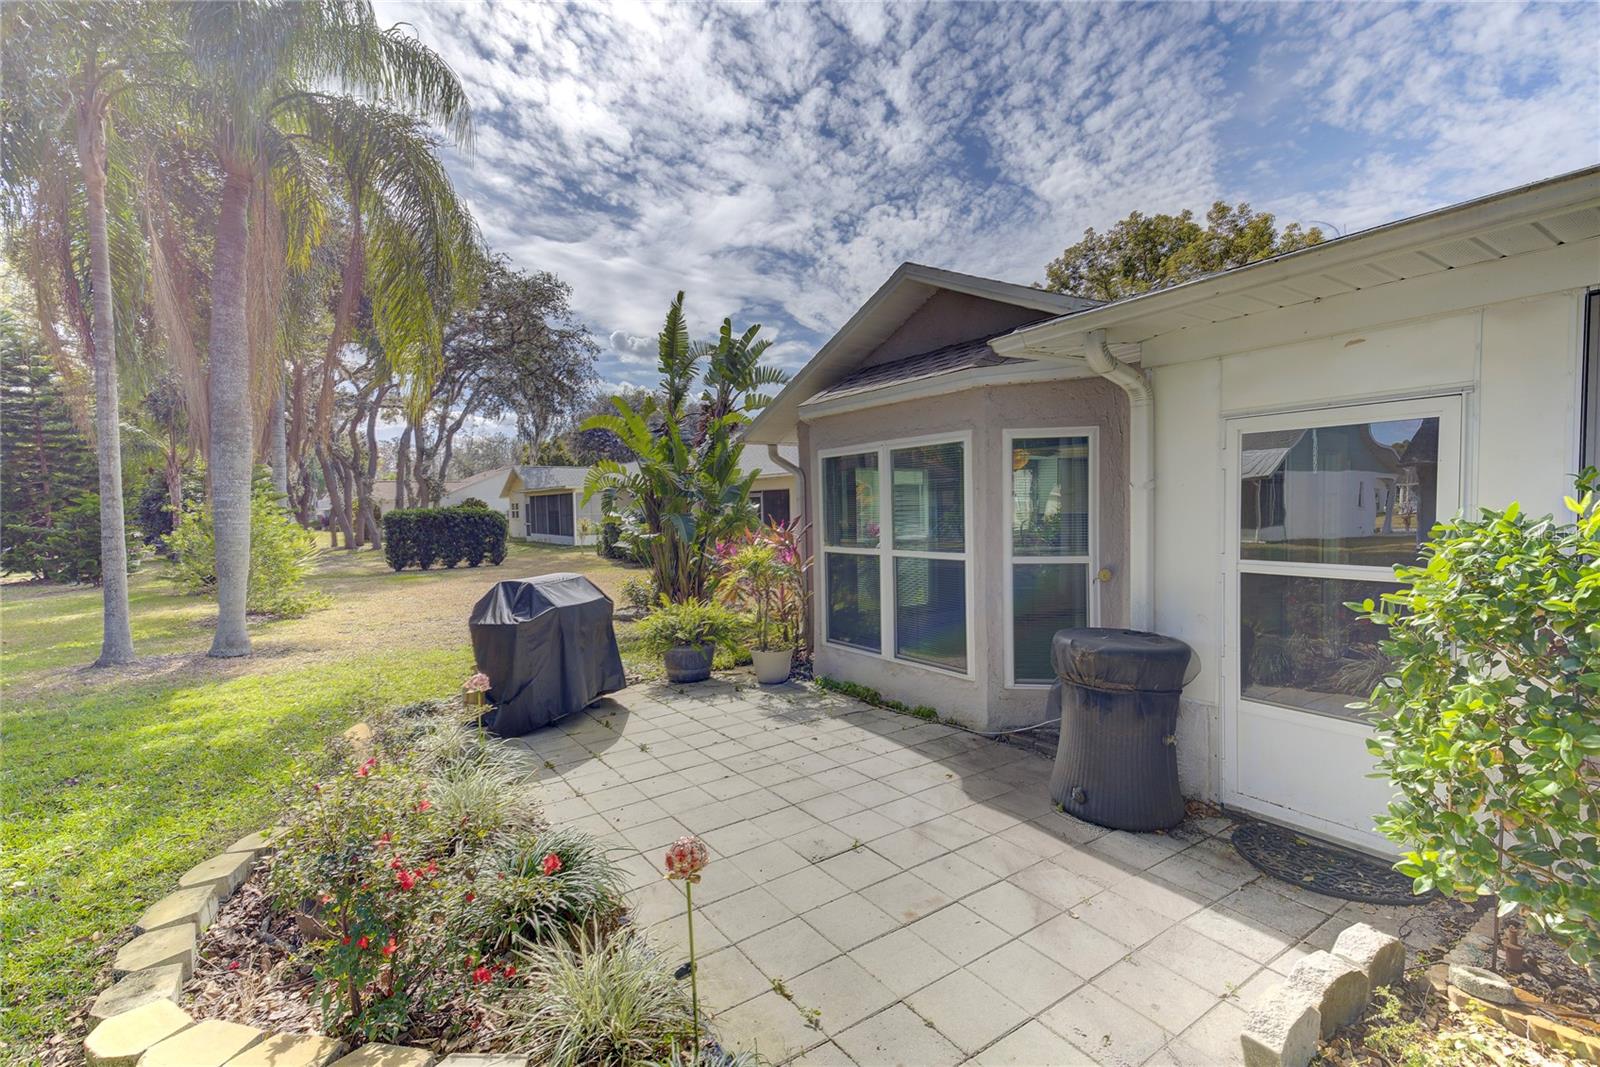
(777, 162)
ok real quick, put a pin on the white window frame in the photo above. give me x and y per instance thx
(1090, 560)
(886, 553)
(516, 509)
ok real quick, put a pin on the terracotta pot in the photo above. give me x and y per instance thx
(689, 663)
(772, 667)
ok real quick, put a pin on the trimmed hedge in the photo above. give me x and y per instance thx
(424, 536)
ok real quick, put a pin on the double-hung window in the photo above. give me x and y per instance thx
(1051, 547)
(894, 546)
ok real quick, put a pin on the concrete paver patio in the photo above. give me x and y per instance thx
(885, 890)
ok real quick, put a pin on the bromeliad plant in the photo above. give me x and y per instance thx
(1489, 723)
(687, 491)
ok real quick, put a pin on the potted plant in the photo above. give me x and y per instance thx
(686, 635)
(765, 577)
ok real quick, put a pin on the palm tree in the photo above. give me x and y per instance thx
(68, 67)
(280, 90)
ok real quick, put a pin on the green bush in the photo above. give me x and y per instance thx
(463, 534)
(637, 594)
(153, 511)
(67, 550)
(1490, 719)
(692, 622)
(281, 553)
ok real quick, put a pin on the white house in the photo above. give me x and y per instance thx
(1227, 461)
(545, 503)
(485, 486)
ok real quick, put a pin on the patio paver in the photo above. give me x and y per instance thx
(885, 890)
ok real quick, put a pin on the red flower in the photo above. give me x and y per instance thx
(433, 867)
(550, 864)
(345, 940)
(384, 839)
(407, 879)
(390, 947)
(363, 942)
(471, 896)
(234, 966)
(510, 970)
(366, 768)
(482, 975)
(424, 805)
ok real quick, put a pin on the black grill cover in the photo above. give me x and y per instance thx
(548, 647)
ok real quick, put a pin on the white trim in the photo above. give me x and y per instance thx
(1092, 587)
(886, 553)
(1450, 408)
(943, 384)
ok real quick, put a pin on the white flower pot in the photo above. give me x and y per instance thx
(772, 667)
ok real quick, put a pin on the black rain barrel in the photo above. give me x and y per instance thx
(1117, 761)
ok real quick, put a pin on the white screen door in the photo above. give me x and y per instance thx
(1322, 505)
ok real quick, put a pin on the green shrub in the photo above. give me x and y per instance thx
(474, 502)
(425, 536)
(281, 554)
(67, 550)
(638, 595)
(692, 622)
(1490, 719)
(601, 1001)
(530, 906)
(153, 513)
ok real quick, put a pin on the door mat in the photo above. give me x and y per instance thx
(1292, 857)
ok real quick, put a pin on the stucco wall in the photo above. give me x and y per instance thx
(984, 702)
(1516, 364)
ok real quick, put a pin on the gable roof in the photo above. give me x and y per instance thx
(907, 289)
(1531, 218)
(957, 357)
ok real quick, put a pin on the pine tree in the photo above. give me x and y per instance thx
(45, 464)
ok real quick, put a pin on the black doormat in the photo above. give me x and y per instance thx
(1321, 867)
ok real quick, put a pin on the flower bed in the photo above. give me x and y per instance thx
(414, 896)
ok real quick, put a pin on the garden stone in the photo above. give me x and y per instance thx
(196, 905)
(1482, 983)
(260, 841)
(1338, 988)
(1380, 955)
(227, 872)
(376, 1055)
(121, 1040)
(136, 990)
(290, 1050)
(170, 944)
(208, 1043)
(1282, 1031)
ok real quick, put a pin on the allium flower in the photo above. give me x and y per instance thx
(478, 683)
(686, 858)
(550, 864)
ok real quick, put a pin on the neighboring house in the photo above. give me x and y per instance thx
(485, 486)
(1228, 461)
(772, 493)
(546, 504)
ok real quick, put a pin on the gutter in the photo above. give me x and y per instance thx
(1141, 475)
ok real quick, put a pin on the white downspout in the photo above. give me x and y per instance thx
(1141, 475)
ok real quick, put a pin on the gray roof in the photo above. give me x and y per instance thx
(965, 355)
(535, 478)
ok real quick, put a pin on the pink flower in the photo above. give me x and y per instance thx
(550, 864)
(686, 858)
(424, 805)
(510, 970)
(482, 975)
(234, 966)
(478, 683)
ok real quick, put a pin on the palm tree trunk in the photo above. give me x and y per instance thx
(402, 467)
(232, 441)
(116, 645)
(279, 447)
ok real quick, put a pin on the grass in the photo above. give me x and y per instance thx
(116, 781)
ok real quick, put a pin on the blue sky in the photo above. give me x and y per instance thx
(777, 162)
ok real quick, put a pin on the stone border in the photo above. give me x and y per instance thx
(1324, 991)
(137, 1020)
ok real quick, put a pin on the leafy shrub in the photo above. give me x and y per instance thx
(1489, 729)
(763, 573)
(474, 502)
(692, 622)
(281, 554)
(638, 595)
(610, 1001)
(425, 536)
(153, 511)
(534, 904)
(67, 550)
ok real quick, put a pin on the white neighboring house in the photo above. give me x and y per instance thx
(487, 486)
(545, 504)
(1229, 461)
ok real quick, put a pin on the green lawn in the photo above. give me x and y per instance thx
(115, 782)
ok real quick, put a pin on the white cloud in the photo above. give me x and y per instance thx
(776, 162)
